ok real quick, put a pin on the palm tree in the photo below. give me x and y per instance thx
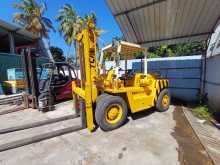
(70, 24)
(93, 18)
(31, 17)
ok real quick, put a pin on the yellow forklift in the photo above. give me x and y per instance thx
(106, 97)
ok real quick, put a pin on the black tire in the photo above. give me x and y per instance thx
(100, 97)
(102, 108)
(159, 105)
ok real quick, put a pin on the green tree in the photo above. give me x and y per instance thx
(139, 55)
(181, 49)
(71, 24)
(57, 54)
(185, 49)
(32, 18)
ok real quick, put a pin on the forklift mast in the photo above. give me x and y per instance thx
(86, 51)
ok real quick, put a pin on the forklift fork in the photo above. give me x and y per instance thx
(43, 136)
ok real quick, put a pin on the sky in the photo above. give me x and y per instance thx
(105, 20)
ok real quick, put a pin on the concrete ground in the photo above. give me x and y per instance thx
(147, 138)
(208, 135)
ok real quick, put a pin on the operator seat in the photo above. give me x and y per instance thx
(129, 75)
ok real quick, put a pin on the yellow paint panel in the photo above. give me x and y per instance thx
(79, 91)
(139, 101)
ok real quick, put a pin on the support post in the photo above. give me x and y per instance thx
(26, 70)
(145, 61)
(11, 42)
(33, 78)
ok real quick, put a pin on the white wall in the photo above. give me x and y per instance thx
(214, 44)
(212, 73)
(212, 82)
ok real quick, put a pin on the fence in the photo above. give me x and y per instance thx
(184, 74)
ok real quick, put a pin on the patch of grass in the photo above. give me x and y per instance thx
(202, 112)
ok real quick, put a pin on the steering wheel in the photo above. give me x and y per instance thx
(54, 80)
(130, 72)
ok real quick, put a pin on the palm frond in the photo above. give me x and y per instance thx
(71, 24)
(43, 8)
(68, 23)
(48, 23)
(31, 17)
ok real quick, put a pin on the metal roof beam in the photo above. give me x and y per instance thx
(174, 38)
(139, 7)
(129, 20)
(8, 31)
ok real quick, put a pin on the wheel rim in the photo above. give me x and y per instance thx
(165, 101)
(114, 114)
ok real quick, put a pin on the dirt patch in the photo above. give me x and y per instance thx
(191, 151)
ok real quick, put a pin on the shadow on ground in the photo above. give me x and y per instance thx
(142, 114)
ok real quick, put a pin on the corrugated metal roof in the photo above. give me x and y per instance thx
(153, 22)
(20, 31)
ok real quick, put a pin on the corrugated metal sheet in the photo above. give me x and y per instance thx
(153, 22)
(12, 28)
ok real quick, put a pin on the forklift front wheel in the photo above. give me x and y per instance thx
(111, 112)
(100, 97)
(163, 101)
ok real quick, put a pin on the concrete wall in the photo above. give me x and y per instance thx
(184, 74)
(212, 82)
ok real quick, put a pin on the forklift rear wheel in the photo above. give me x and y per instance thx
(111, 112)
(163, 101)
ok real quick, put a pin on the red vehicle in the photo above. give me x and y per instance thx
(55, 84)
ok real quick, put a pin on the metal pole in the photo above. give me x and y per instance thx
(33, 77)
(145, 61)
(12, 42)
(27, 78)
